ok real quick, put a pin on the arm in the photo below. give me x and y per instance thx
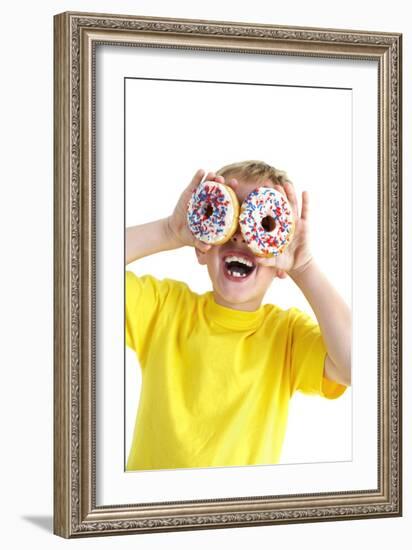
(333, 315)
(334, 318)
(167, 233)
(149, 238)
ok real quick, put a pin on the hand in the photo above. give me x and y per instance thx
(177, 222)
(297, 256)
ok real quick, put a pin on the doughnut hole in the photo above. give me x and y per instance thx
(208, 211)
(268, 223)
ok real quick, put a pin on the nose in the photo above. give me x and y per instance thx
(238, 236)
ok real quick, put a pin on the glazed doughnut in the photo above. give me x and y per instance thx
(266, 222)
(213, 212)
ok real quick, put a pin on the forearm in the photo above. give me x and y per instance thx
(150, 238)
(334, 318)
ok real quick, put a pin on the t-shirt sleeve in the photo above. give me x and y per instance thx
(308, 354)
(144, 297)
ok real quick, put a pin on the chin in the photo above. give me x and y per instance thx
(237, 294)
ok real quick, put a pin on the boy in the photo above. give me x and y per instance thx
(219, 369)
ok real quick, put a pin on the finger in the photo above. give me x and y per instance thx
(197, 178)
(210, 176)
(292, 198)
(233, 183)
(305, 206)
(280, 188)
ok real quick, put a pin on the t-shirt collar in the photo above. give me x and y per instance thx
(232, 318)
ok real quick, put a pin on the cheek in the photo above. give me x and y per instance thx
(267, 274)
(212, 260)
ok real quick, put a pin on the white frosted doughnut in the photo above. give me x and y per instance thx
(269, 206)
(213, 212)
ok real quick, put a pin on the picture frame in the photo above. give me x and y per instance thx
(77, 36)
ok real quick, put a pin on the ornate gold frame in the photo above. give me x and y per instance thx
(75, 38)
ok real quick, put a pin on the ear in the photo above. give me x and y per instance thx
(201, 256)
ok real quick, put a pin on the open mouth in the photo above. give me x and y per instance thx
(238, 267)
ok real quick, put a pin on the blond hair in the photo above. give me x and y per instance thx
(255, 170)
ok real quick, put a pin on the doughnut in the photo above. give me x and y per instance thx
(213, 212)
(266, 222)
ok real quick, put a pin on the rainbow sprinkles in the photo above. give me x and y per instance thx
(266, 222)
(211, 212)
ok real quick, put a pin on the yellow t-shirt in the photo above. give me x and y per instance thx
(216, 382)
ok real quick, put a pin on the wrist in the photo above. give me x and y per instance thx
(171, 236)
(301, 271)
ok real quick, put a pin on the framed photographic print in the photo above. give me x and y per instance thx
(141, 104)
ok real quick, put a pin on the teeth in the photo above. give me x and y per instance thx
(239, 259)
(236, 274)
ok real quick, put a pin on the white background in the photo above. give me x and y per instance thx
(26, 290)
(207, 125)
